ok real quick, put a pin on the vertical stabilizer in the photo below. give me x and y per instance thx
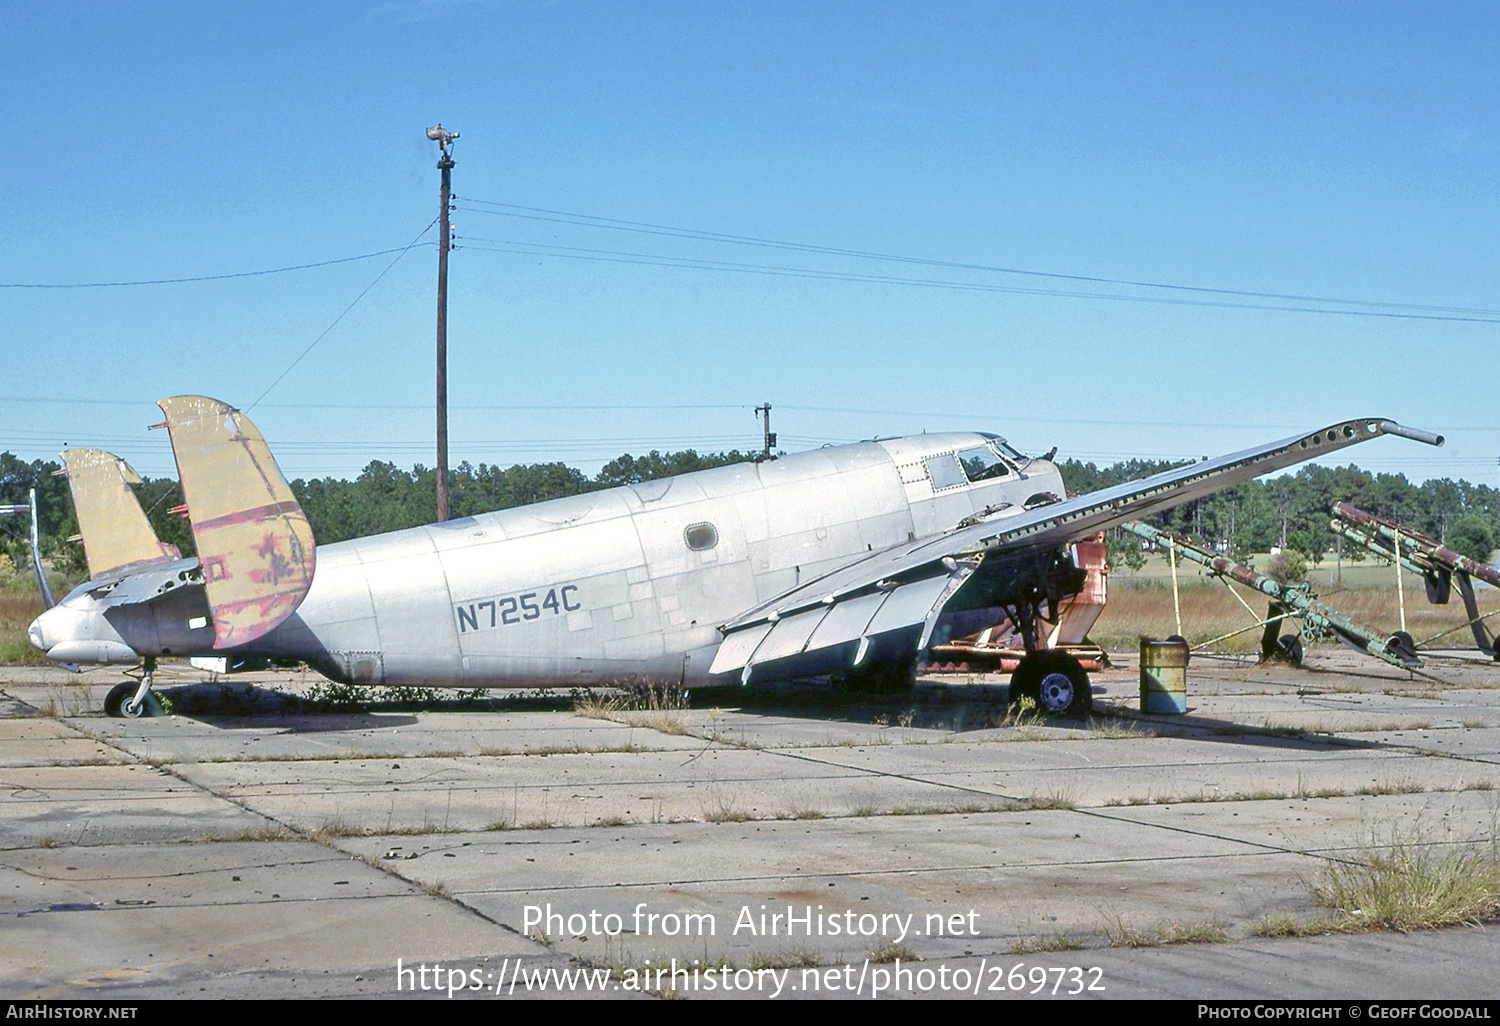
(111, 524)
(254, 543)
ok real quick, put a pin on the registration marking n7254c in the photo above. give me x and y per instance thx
(508, 610)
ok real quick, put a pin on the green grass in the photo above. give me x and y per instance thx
(1410, 886)
(19, 605)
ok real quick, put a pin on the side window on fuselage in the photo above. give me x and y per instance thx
(944, 472)
(700, 537)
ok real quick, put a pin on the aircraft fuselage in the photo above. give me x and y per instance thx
(631, 582)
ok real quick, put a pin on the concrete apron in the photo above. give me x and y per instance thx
(223, 855)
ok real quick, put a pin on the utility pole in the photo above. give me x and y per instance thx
(769, 435)
(444, 138)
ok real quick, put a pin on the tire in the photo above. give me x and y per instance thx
(1055, 683)
(1402, 645)
(1290, 649)
(122, 693)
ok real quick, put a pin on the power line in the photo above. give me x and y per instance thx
(652, 260)
(946, 414)
(383, 407)
(642, 227)
(204, 277)
(346, 309)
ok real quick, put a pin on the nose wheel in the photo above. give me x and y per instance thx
(133, 699)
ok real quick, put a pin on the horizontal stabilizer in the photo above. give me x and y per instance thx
(115, 531)
(254, 543)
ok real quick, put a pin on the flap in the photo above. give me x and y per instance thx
(879, 611)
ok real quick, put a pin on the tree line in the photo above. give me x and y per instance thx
(1289, 512)
(1293, 512)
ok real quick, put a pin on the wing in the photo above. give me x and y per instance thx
(894, 592)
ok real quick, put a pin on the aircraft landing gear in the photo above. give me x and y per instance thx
(134, 700)
(1055, 682)
(1289, 648)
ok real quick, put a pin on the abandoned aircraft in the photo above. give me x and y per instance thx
(846, 562)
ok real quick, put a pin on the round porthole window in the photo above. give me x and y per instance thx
(701, 536)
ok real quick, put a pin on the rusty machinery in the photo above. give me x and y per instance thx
(1288, 601)
(1439, 566)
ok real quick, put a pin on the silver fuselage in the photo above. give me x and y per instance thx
(631, 582)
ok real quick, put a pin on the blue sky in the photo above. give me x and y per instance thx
(1343, 151)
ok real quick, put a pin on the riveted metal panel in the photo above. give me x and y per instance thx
(847, 621)
(789, 637)
(908, 604)
(736, 650)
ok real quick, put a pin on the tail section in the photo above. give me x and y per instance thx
(111, 524)
(254, 543)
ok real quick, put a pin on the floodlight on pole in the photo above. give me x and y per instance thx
(443, 137)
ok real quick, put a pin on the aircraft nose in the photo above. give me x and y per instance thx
(36, 635)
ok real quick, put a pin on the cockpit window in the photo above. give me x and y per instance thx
(944, 472)
(982, 464)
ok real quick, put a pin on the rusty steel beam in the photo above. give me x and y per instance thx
(1426, 554)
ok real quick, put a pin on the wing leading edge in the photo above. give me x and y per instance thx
(911, 584)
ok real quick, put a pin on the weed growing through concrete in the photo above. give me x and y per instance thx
(722, 808)
(801, 813)
(1060, 940)
(801, 958)
(657, 707)
(1301, 792)
(1284, 924)
(1405, 885)
(266, 832)
(1119, 934)
(1207, 931)
(436, 889)
(892, 951)
(1116, 728)
(337, 827)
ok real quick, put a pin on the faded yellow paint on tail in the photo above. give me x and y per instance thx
(254, 542)
(114, 531)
